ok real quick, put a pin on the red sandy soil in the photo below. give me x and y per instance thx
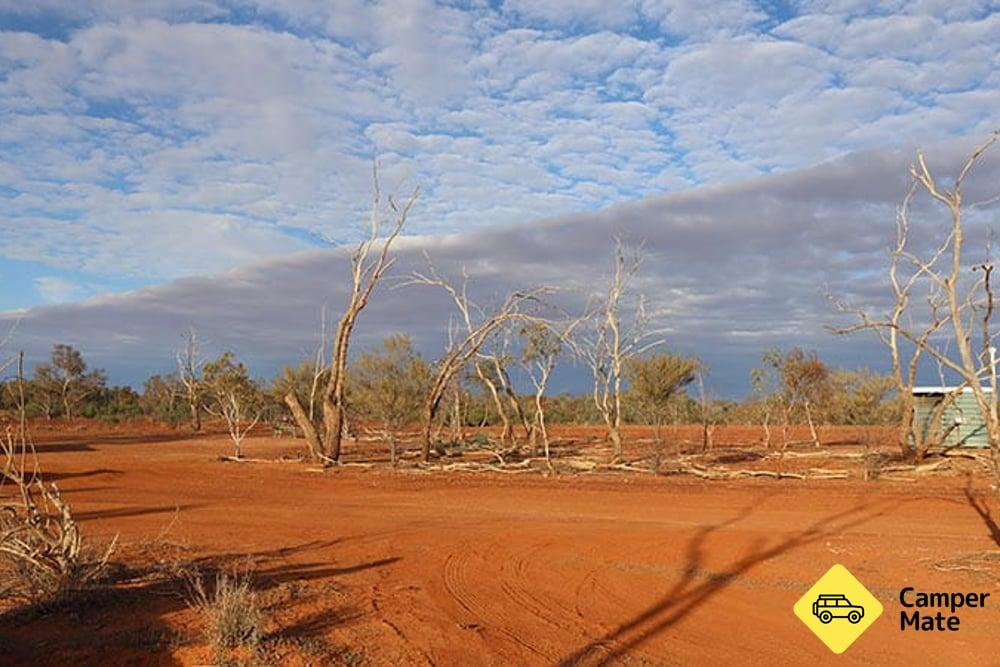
(374, 566)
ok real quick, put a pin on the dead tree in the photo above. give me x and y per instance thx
(306, 419)
(620, 330)
(707, 413)
(544, 343)
(369, 263)
(906, 274)
(954, 308)
(484, 371)
(476, 327)
(189, 363)
(492, 370)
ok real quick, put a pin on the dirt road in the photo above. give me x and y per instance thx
(460, 569)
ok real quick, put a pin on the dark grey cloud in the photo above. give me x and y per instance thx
(734, 269)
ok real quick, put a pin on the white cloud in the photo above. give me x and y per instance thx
(581, 12)
(695, 18)
(54, 289)
(145, 128)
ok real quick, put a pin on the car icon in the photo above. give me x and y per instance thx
(828, 607)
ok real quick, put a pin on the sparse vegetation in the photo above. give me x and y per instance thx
(229, 607)
(42, 552)
(389, 385)
(233, 397)
(653, 383)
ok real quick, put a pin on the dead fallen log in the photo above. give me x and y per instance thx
(482, 467)
(815, 454)
(916, 469)
(583, 465)
(245, 459)
(726, 474)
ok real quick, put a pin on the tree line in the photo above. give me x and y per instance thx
(385, 388)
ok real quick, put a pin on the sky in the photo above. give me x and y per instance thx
(191, 162)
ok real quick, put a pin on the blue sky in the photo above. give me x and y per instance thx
(141, 142)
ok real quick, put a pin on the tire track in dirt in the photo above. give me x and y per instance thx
(520, 583)
(477, 597)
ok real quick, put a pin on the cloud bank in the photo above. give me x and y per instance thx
(733, 269)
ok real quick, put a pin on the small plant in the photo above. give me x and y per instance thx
(480, 440)
(232, 613)
(871, 462)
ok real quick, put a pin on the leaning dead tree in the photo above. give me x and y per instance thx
(954, 328)
(619, 330)
(477, 325)
(369, 263)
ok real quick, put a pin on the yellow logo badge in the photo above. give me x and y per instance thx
(838, 609)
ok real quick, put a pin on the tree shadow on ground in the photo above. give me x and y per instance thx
(84, 441)
(49, 477)
(132, 511)
(123, 620)
(317, 623)
(686, 595)
(981, 507)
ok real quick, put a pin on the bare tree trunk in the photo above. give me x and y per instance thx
(456, 416)
(614, 433)
(427, 424)
(906, 438)
(657, 445)
(812, 426)
(706, 433)
(333, 394)
(306, 424)
(189, 364)
(785, 416)
(505, 433)
(195, 414)
(616, 422)
(542, 430)
(522, 417)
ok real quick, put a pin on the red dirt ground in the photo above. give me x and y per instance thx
(373, 566)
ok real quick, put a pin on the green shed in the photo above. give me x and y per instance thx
(971, 431)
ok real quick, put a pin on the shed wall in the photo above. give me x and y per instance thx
(971, 431)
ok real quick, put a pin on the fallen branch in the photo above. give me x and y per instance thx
(815, 454)
(481, 467)
(724, 474)
(244, 459)
(917, 469)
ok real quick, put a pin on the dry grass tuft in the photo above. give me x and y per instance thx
(231, 609)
